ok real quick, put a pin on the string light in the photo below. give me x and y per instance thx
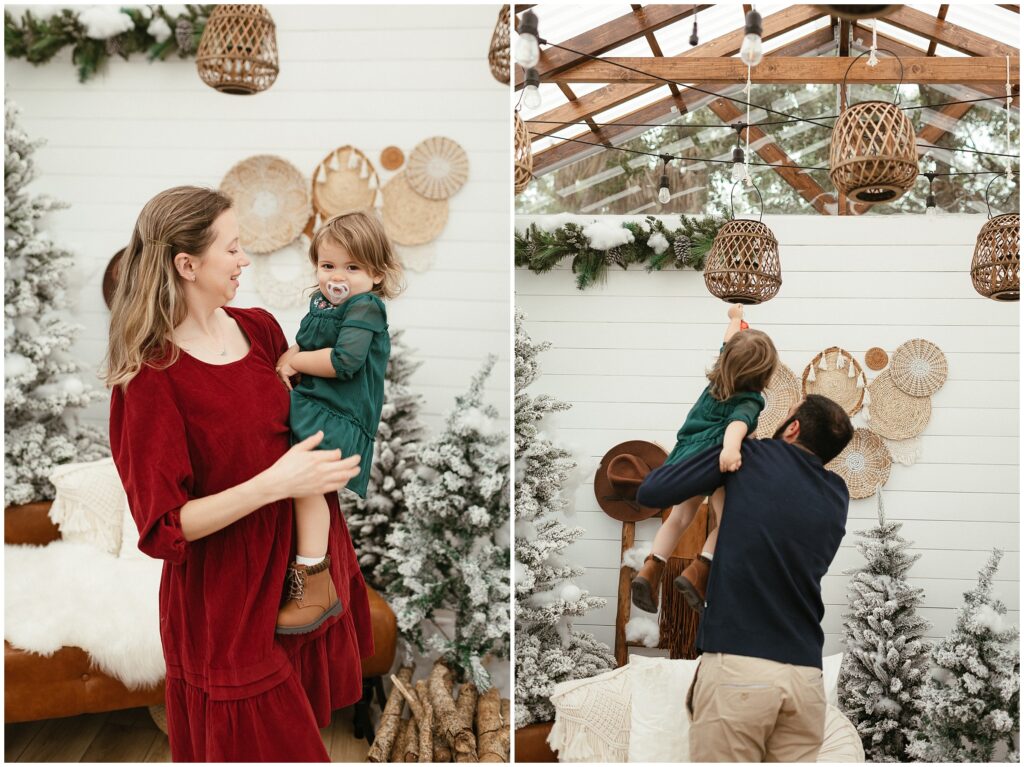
(527, 42)
(752, 50)
(664, 193)
(693, 35)
(531, 93)
(930, 208)
(739, 167)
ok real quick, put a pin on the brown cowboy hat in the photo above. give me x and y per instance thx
(622, 470)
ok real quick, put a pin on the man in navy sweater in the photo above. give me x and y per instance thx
(758, 694)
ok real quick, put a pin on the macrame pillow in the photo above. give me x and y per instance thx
(89, 504)
(592, 718)
(129, 536)
(660, 730)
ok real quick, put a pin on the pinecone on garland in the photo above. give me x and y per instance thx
(681, 247)
(183, 33)
(616, 256)
(114, 47)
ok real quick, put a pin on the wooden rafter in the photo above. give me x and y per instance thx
(618, 93)
(607, 37)
(943, 10)
(1014, 8)
(943, 32)
(654, 112)
(932, 132)
(652, 41)
(788, 70)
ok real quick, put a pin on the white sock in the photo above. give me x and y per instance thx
(310, 561)
(708, 555)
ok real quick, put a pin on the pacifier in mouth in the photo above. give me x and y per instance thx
(337, 292)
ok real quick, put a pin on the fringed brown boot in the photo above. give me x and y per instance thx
(694, 582)
(647, 584)
(311, 600)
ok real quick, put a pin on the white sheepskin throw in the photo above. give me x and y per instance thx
(72, 594)
(643, 629)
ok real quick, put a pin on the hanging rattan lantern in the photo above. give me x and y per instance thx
(873, 153)
(238, 50)
(859, 11)
(523, 155)
(743, 265)
(995, 268)
(498, 55)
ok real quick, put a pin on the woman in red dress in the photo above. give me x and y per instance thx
(199, 433)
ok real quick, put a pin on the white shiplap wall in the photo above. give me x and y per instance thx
(370, 76)
(630, 355)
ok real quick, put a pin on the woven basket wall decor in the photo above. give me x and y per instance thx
(995, 268)
(918, 367)
(284, 278)
(344, 181)
(391, 158)
(893, 413)
(876, 358)
(523, 155)
(743, 264)
(409, 217)
(834, 373)
(437, 168)
(864, 464)
(782, 392)
(238, 51)
(498, 55)
(906, 452)
(271, 201)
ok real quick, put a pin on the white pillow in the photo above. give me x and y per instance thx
(830, 666)
(592, 718)
(89, 504)
(129, 535)
(660, 726)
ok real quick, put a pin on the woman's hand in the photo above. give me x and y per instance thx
(284, 368)
(304, 471)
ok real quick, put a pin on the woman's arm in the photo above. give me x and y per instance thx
(301, 471)
(729, 459)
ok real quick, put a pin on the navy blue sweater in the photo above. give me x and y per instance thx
(784, 518)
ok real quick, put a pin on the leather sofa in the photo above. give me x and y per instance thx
(67, 684)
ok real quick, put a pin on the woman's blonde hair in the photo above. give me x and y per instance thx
(362, 234)
(745, 364)
(149, 300)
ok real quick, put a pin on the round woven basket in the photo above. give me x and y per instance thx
(391, 158)
(918, 367)
(873, 154)
(523, 155)
(282, 278)
(271, 200)
(835, 382)
(904, 451)
(344, 181)
(498, 55)
(437, 168)
(782, 392)
(238, 51)
(410, 218)
(995, 268)
(893, 413)
(743, 266)
(864, 464)
(876, 358)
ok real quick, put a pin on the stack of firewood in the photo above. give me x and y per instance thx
(441, 727)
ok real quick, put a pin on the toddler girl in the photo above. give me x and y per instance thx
(725, 413)
(341, 353)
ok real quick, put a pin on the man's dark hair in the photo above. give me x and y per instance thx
(825, 428)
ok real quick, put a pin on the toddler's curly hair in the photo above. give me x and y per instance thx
(745, 364)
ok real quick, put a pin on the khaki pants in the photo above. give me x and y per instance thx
(754, 710)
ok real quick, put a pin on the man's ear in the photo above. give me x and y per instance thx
(792, 431)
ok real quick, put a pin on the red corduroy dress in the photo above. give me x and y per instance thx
(236, 691)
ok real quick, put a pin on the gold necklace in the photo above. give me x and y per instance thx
(222, 353)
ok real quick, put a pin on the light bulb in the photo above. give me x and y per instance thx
(527, 52)
(664, 194)
(751, 51)
(531, 94)
(739, 171)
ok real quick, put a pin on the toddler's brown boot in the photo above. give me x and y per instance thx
(693, 582)
(311, 599)
(647, 584)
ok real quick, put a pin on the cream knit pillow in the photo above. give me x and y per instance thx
(89, 504)
(592, 718)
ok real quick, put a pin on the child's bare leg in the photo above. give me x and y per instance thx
(312, 528)
(717, 504)
(672, 529)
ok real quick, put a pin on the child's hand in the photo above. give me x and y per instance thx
(286, 372)
(729, 459)
(736, 312)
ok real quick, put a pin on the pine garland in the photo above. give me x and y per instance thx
(653, 245)
(152, 30)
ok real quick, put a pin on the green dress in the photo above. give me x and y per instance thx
(708, 419)
(346, 408)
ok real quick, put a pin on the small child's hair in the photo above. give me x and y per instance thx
(745, 364)
(362, 234)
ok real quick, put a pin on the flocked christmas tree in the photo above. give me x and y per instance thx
(394, 465)
(972, 699)
(450, 551)
(548, 649)
(43, 382)
(886, 659)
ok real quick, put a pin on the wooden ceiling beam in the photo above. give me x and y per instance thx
(957, 70)
(943, 10)
(657, 111)
(727, 45)
(943, 32)
(1014, 8)
(606, 37)
(931, 132)
(655, 47)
